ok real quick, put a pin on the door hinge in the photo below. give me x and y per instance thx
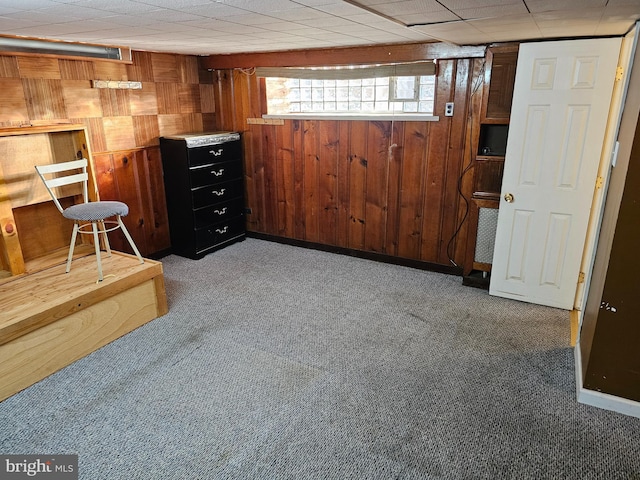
(581, 277)
(619, 73)
(599, 182)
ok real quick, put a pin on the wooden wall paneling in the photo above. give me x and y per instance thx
(80, 99)
(76, 69)
(454, 159)
(43, 228)
(145, 100)
(224, 91)
(9, 67)
(165, 68)
(141, 69)
(256, 179)
(378, 143)
(358, 170)
(436, 166)
(189, 98)
(104, 173)
(118, 132)
(285, 180)
(168, 95)
(157, 219)
(13, 105)
(298, 179)
(328, 147)
(115, 102)
(39, 67)
(412, 188)
(342, 183)
(110, 71)
(45, 99)
(395, 159)
(146, 130)
(310, 165)
(187, 69)
(269, 165)
(207, 98)
(130, 190)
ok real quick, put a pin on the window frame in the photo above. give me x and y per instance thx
(391, 71)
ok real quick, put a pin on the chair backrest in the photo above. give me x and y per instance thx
(66, 173)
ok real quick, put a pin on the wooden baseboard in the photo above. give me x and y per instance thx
(378, 257)
(72, 315)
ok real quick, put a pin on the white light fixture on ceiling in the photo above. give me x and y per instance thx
(26, 45)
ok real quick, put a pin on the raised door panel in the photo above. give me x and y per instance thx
(563, 92)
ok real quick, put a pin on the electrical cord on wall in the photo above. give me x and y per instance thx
(471, 164)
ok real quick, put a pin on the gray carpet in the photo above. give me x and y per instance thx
(277, 362)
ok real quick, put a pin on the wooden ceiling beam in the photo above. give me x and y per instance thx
(394, 53)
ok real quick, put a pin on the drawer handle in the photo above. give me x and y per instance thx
(216, 153)
(221, 212)
(224, 230)
(219, 192)
(218, 173)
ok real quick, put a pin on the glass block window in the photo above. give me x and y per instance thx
(364, 91)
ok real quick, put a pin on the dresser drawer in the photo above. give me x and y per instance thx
(220, 232)
(215, 173)
(218, 213)
(215, 194)
(214, 153)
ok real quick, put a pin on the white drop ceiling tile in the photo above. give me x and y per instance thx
(618, 13)
(455, 32)
(261, 6)
(38, 17)
(250, 18)
(173, 4)
(456, 5)
(411, 19)
(214, 10)
(493, 11)
(537, 6)
(489, 24)
(568, 31)
(115, 6)
(299, 14)
(32, 5)
(569, 15)
(613, 28)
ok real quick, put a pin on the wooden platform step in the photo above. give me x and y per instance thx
(50, 319)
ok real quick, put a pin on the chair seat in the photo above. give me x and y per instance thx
(95, 211)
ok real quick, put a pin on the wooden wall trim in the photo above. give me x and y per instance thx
(408, 52)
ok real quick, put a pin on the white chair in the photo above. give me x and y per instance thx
(88, 217)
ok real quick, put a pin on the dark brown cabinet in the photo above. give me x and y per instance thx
(204, 185)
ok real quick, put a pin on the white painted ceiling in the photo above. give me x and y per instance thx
(205, 27)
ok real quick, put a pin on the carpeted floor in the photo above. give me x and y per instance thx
(277, 362)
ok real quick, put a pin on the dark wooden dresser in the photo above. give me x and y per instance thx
(204, 186)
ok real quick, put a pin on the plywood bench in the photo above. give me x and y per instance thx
(49, 319)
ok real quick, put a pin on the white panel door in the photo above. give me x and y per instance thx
(559, 114)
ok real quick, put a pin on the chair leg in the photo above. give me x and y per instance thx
(107, 247)
(126, 234)
(96, 241)
(74, 234)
